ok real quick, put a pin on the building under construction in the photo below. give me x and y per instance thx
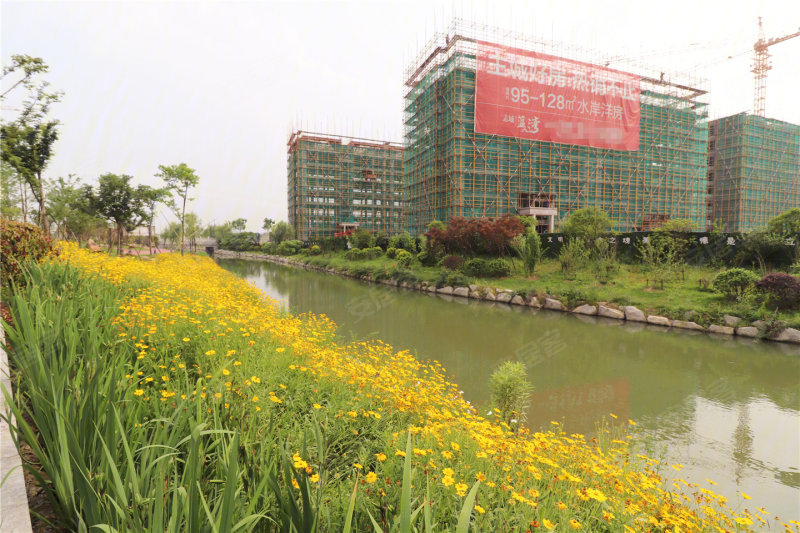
(753, 170)
(451, 170)
(337, 184)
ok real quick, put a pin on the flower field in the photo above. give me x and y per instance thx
(167, 394)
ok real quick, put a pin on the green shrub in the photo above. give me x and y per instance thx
(382, 241)
(605, 265)
(498, 268)
(795, 268)
(402, 241)
(782, 290)
(391, 252)
(404, 259)
(291, 247)
(476, 267)
(361, 238)
(457, 279)
(20, 243)
(529, 248)
(572, 256)
(315, 250)
(269, 248)
(510, 392)
(428, 258)
(734, 283)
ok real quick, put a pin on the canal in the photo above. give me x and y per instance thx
(728, 410)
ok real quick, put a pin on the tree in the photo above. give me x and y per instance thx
(12, 194)
(27, 142)
(28, 149)
(151, 197)
(28, 69)
(69, 208)
(282, 231)
(268, 223)
(118, 202)
(193, 228)
(239, 224)
(682, 225)
(171, 233)
(786, 224)
(588, 224)
(179, 179)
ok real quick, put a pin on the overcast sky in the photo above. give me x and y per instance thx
(221, 85)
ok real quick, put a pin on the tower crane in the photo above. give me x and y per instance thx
(761, 65)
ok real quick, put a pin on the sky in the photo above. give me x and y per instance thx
(220, 86)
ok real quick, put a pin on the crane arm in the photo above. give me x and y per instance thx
(761, 44)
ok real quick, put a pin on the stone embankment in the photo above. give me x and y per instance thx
(602, 309)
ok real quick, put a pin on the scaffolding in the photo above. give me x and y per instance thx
(449, 170)
(337, 184)
(753, 170)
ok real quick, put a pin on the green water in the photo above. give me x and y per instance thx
(727, 409)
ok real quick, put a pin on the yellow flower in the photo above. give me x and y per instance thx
(746, 496)
(631, 422)
(314, 478)
(447, 481)
(574, 524)
(548, 524)
(371, 477)
(561, 505)
(138, 392)
(255, 398)
(461, 489)
(401, 453)
(317, 406)
(358, 465)
(226, 372)
(275, 399)
(186, 339)
(211, 352)
(295, 484)
(279, 350)
(380, 457)
(164, 378)
(479, 509)
(237, 363)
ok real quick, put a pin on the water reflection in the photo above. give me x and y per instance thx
(725, 408)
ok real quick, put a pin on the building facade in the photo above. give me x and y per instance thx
(337, 184)
(451, 170)
(753, 171)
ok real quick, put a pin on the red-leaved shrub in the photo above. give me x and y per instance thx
(475, 236)
(20, 243)
(782, 290)
(453, 262)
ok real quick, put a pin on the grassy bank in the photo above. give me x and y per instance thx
(166, 394)
(689, 295)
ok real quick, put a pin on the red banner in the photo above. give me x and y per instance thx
(529, 95)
